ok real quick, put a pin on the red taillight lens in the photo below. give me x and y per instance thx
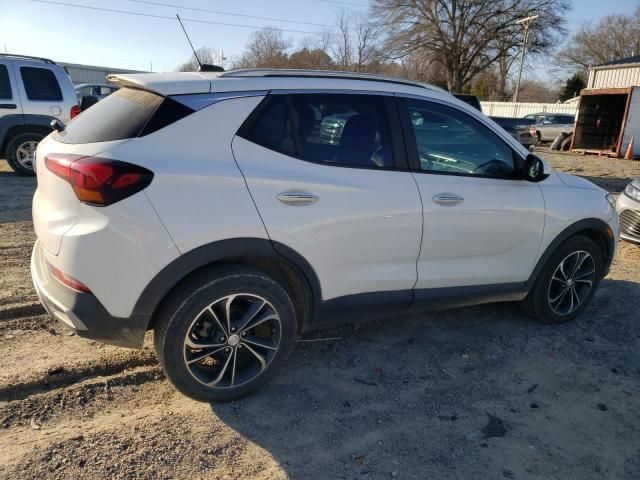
(75, 111)
(533, 130)
(69, 281)
(99, 181)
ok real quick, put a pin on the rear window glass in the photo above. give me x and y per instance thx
(127, 113)
(5, 85)
(40, 84)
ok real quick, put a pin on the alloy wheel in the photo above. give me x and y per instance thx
(25, 154)
(571, 282)
(232, 341)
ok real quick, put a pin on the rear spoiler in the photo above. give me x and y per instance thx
(174, 83)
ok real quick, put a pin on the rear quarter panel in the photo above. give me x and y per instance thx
(197, 189)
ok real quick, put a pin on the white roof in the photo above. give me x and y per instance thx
(176, 83)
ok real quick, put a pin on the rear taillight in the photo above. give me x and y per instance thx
(69, 281)
(532, 130)
(99, 181)
(75, 111)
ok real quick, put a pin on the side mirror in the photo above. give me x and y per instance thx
(546, 122)
(533, 169)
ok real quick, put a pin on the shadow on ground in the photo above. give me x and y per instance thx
(480, 392)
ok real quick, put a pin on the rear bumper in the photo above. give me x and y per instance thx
(83, 312)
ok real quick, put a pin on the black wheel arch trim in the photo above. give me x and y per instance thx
(220, 251)
(23, 123)
(581, 225)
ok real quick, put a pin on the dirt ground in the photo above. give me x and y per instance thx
(479, 392)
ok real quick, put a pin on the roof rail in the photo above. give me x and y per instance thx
(269, 72)
(27, 57)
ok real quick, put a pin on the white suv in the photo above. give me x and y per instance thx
(231, 211)
(33, 92)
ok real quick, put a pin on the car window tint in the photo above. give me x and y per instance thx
(40, 84)
(451, 141)
(272, 128)
(5, 84)
(342, 129)
(128, 113)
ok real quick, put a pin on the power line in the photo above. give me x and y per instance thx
(159, 4)
(344, 3)
(165, 17)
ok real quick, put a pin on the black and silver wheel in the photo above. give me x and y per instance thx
(20, 152)
(567, 282)
(225, 333)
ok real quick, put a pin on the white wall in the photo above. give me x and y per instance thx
(632, 128)
(620, 76)
(510, 109)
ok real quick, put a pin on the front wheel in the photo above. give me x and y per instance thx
(225, 333)
(567, 281)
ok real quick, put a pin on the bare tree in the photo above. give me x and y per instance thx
(266, 49)
(341, 48)
(365, 49)
(465, 36)
(205, 54)
(612, 38)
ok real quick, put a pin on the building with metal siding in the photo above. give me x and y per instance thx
(92, 74)
(616, 74)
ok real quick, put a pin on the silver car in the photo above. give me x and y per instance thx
(628, 206)
(98, 90)
(551, 125)
(33, 92)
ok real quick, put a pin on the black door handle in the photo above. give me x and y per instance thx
(8, 106)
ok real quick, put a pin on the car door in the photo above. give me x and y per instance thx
(482, 225)
(325, 171)
(9, 99)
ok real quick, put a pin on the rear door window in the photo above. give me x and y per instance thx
(40, 84)
(127, 113)
(5, 84)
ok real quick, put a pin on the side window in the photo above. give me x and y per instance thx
(272, 128)
(451, 141)
(40, 84)
(5, 84)
(342, 129)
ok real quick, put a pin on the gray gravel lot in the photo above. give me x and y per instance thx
(480, 392)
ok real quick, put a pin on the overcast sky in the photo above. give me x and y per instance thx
(77, 35)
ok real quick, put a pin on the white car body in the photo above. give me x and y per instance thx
(370, 232)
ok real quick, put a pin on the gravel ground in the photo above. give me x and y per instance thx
(480, 392)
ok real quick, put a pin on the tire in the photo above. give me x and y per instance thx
(538, 138)
(555, 145)
(231, 364)
(549, 285)
(15, 150)
(566, 143)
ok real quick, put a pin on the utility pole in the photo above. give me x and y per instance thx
(525, 22)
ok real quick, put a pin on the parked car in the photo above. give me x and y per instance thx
(33, 92)
(98, 90)
(209, 208)
(628, 206)
(518, 128)
(551, 125)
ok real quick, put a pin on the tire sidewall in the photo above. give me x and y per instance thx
(12, 152)
(172, 329)
(540, 301)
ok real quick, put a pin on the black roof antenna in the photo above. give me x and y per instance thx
(203, 67)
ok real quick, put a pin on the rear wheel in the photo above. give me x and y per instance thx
(225, 333)
(21, 151)
(567, 282)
